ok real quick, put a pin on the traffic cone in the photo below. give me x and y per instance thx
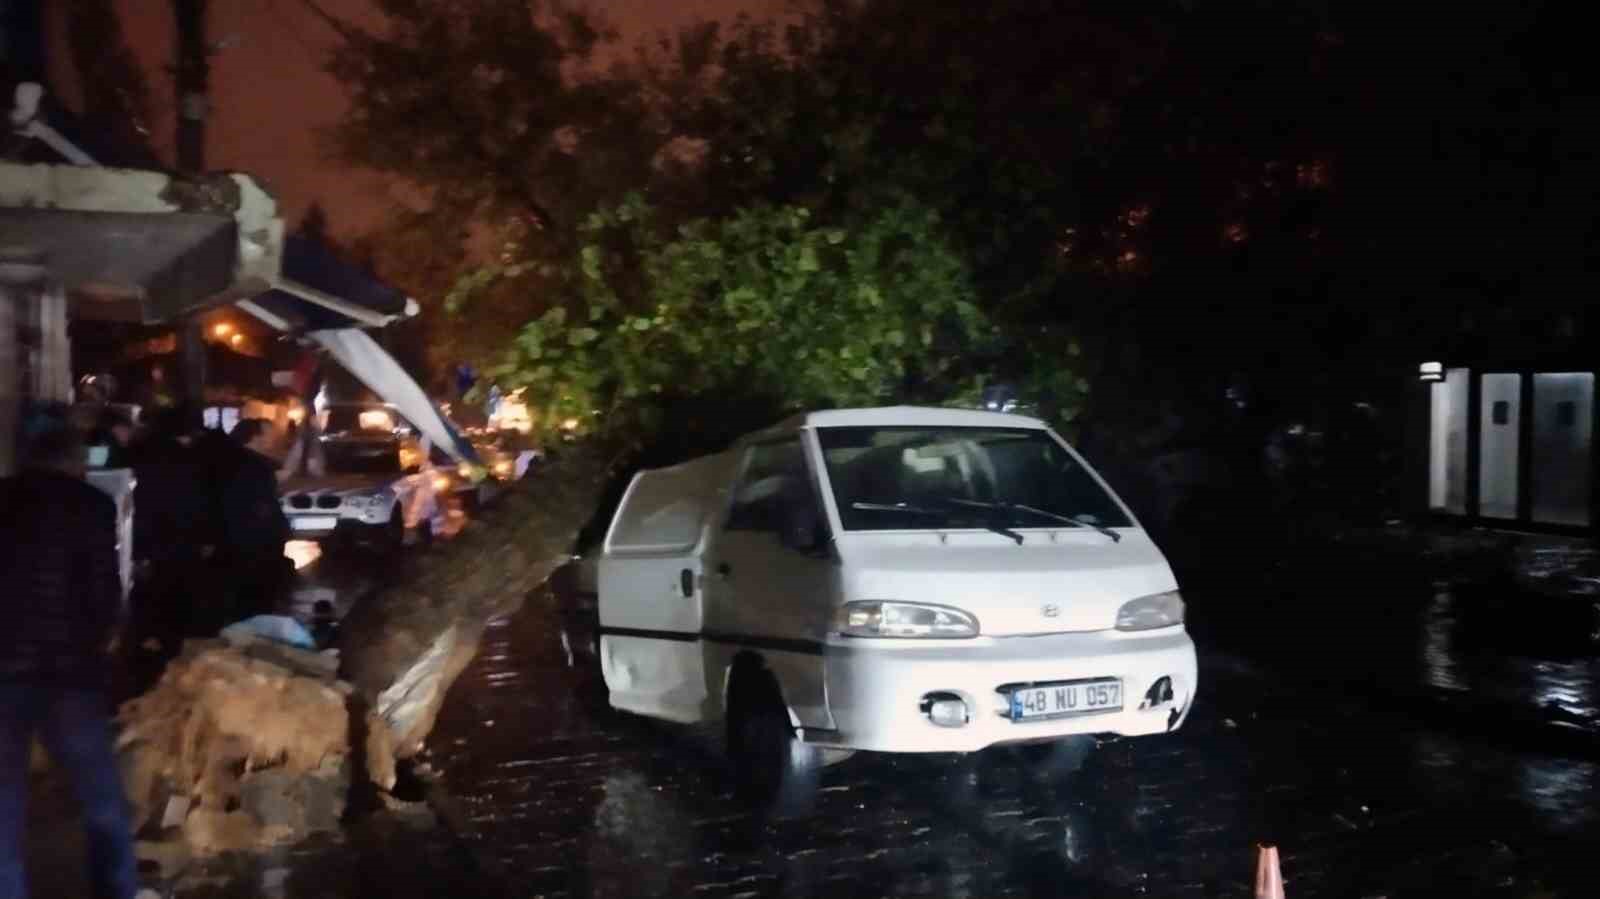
(1269, 879)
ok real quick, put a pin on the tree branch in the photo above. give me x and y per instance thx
(348, 32)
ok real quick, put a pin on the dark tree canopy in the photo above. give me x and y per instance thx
(1149, 201)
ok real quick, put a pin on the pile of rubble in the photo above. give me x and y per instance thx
(245, 744)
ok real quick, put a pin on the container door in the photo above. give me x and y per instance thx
(650, 601)
(1448, 450)
(1563, 447)
(1500, 432)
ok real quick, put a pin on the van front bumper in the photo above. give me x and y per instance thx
(876, 688)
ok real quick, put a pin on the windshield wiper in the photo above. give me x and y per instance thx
(1077, 521)
(939, 513)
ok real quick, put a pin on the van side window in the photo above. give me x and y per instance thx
(774, 480)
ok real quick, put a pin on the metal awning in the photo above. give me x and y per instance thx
(318, 291)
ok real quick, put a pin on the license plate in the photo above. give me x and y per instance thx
(1066, 698)
(316, 524)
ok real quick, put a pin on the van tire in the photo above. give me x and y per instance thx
(772, 769)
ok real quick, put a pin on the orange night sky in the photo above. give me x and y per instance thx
(270, 95)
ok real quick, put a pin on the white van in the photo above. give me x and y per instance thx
(895, 580)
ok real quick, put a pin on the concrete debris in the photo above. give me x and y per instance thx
(231, 751)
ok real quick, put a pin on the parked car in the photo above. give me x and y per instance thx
(894, 580)
(373, 492)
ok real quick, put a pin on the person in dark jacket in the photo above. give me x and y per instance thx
(254, 528)
(171, 533)
(61, 601)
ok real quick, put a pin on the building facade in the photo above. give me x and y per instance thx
(1513, 446)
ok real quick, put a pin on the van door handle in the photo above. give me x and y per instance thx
(724, 570)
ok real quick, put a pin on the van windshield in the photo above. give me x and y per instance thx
(911, 478)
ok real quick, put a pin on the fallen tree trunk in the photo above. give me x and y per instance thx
(403, 647)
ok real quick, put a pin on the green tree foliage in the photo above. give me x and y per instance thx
(766, 302)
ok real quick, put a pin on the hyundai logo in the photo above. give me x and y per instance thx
(1049, 610)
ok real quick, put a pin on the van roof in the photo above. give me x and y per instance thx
(904, 416)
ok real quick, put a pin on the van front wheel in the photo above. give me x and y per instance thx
(771, 767)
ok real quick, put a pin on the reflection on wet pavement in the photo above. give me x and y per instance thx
(1494, 646)
(573, 799)
(1514, 655)
(1440, 665)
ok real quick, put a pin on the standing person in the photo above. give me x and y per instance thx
(61, 603)
(169, 532)
(254, 528)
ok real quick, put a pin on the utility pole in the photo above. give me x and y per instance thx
(192, 71)
(191, 77)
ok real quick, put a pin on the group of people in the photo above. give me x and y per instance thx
(208, 545)
(209, 533)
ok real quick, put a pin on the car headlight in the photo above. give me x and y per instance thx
(1150, 612)
(875, 618)
(358, 502)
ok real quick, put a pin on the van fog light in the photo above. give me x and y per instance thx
(946, 709)
(1159, 693)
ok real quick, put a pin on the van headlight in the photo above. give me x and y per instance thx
(1150, 612)
(874, 618)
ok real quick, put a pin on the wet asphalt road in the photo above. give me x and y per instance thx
(567, 798)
